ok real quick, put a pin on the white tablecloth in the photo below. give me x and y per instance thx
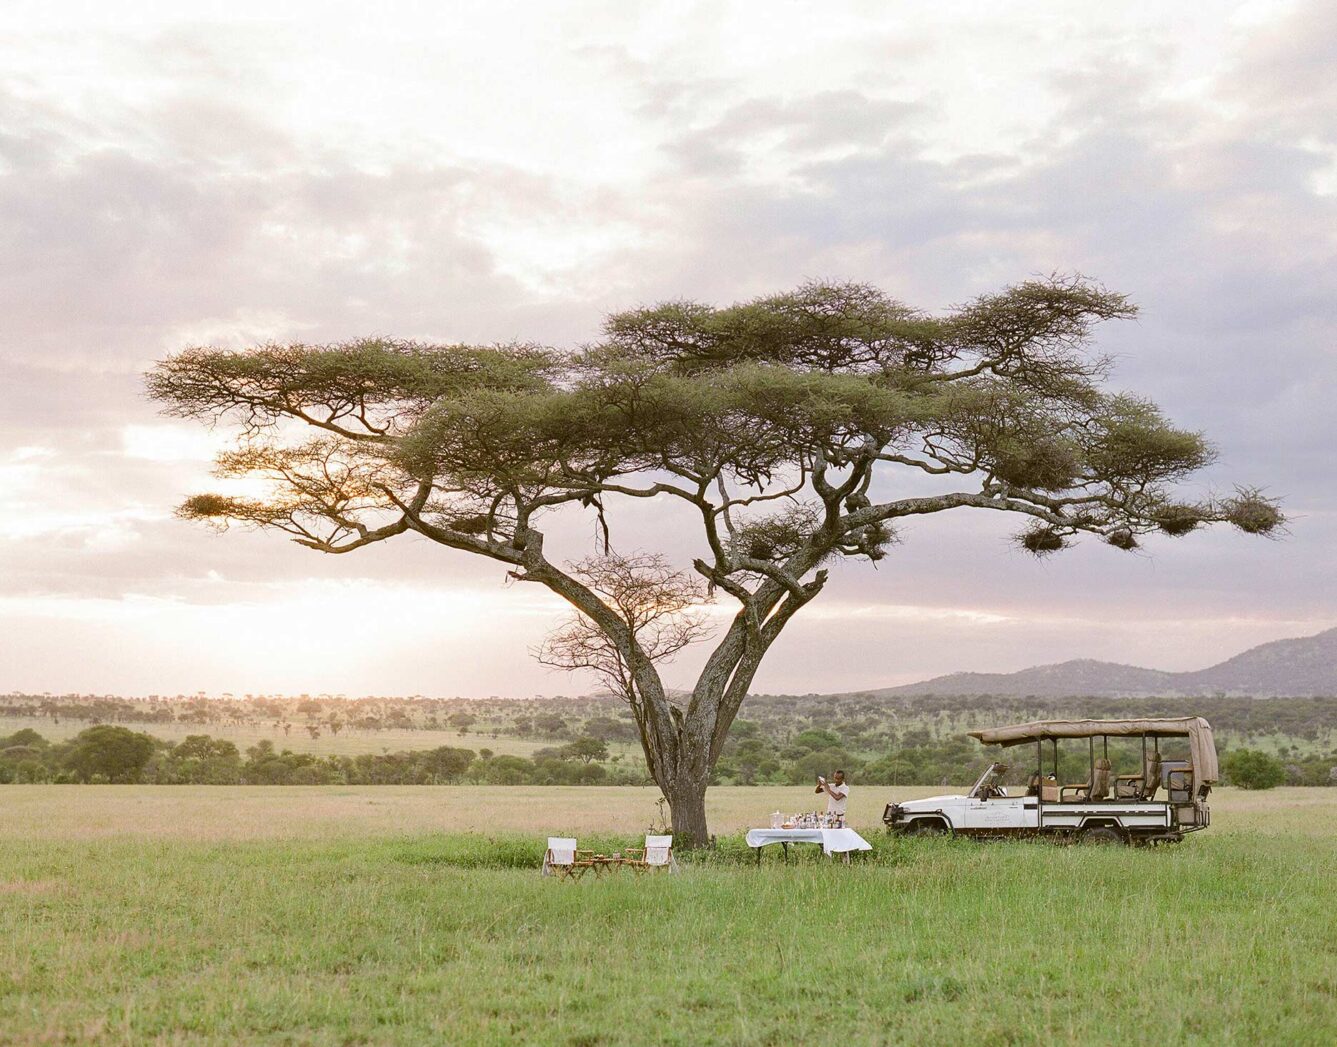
(833, 841)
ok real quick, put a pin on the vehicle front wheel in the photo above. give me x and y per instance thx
(927, 827)
(1101, 835)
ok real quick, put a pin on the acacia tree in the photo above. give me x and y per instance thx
(797, 429)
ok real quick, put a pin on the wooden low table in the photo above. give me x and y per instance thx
(602, 863)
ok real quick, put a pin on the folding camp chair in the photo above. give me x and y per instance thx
(656, 854)
(562, 859)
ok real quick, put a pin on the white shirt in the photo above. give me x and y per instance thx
(835, 800)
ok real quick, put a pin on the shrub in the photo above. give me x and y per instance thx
(816, 738)
(109, 753)
(804, 771)
(891, 770)
(26, 736)
(507, 770)
(447, 764)
(1251, 769)
(30, 771)
(585, 748)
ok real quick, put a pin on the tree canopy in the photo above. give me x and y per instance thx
(790, 425)
(109, 753)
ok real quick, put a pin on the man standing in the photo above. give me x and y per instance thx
(837, 792)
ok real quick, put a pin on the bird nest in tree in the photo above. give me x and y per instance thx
(477, 524)
(1041, 540)
(1254, 514)
(1176, 520)
(1122, 539)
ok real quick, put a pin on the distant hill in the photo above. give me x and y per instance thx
(1296, 668)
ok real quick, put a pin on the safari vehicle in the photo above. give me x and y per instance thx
(1165, 800)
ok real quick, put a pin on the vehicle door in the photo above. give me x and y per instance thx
(1002, 812)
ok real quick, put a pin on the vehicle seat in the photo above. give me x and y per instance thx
(1151, 780)
(1140, 786)
(1179, 784)
(1033, 786)
(1075, 793)
(1100, 781)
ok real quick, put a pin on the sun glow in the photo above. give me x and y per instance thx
(347, 636)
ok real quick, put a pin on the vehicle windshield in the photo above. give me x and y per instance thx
(993, 772)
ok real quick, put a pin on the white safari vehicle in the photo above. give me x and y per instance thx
(1167, 799)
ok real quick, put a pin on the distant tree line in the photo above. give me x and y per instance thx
(111, 753)
(867, 722)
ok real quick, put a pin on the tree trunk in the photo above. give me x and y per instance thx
(687, 803)
(700, 735)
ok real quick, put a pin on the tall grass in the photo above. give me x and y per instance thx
(1230, 937)
(216, 812)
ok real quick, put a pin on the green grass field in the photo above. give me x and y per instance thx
(333, 915)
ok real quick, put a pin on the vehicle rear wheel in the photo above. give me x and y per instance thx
(1101, 835)
(927, 827)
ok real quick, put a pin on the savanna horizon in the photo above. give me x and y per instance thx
(779, 739)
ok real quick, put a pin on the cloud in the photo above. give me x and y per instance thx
(1283, 83)
(833, 122)
(232, 184)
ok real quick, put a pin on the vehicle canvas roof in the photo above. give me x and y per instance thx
(1195, 728)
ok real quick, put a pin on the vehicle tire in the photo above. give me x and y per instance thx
(1101, 835)
(927, 827)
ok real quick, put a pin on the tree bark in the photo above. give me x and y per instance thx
(687, 804)
(702, 730)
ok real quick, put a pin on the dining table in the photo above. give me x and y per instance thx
(833, 841)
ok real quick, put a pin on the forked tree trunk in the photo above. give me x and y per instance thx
(699, 737)
(681, 747)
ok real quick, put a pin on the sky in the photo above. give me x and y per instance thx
(181, 173)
